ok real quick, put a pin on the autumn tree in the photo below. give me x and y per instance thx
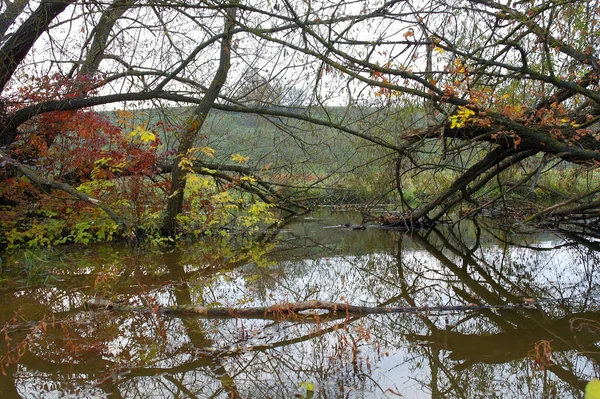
(47, 113)
(471, 90)
(155, 55)
(507, 83)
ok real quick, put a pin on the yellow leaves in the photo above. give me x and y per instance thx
(248, 179)
(225, 201)
(208, 151)
(571, 123)
(186, 164)
(259, 212)
(461, 118)
(95, 173)
(259, 207)
(147, 136)
(143, 135)
(309, 386)
(93, 186)
(222, 198)
(592, 389)
(439, 50)
(102, 161)
(191, 179)
(459, 67)
(239, 158)
(195, 183)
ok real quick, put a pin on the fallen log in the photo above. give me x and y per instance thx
(291, 310)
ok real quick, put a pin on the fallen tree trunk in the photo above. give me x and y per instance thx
(290, 310)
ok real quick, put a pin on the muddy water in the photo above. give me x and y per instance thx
(53, 347)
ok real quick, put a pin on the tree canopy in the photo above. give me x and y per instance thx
(480, 88)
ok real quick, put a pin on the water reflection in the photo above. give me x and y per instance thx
(547, 349)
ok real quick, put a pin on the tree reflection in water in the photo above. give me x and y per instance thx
(548, 349)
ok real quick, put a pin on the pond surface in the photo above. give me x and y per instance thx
(53, 347)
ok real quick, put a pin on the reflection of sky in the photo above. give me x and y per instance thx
(265, 357)
(32, 384)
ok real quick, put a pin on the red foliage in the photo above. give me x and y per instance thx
(76, 147)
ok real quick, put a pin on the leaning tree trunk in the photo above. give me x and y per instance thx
(194, 124)
(102, 31)
(492, 158)
(16, 48)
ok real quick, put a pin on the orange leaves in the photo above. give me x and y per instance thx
(449, 91)
(541, 355)
(516, 140)
(387, 93)
(457, 67)
(384, 91)
(125, 118)
(326, 70)
(513, 111)
(581, 133)
(378, 75)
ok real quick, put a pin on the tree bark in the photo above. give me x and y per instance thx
(16, 48)
(10, 14)
(194, 125)
(492, 158)
(101, 34)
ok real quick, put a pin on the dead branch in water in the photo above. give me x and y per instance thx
(289, 310)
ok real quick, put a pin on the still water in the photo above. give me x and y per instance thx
(53, 347)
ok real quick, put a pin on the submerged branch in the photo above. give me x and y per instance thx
(287, 310)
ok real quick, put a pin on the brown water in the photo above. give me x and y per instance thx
(52, 347)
